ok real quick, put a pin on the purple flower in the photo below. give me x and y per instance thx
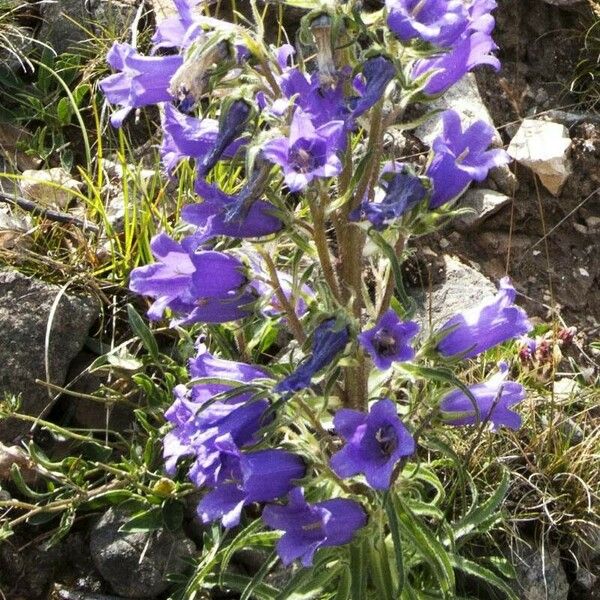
(494, 399)
(401, 189)
(389, 340)
(309, 527)
(328, 341)
(212, 215)
(485, 325)
(307, 153)
(204, 286)
(261, 476)
(461, 157)
(201, 424)
(178, 31)
(185, 136)
(142, 80)
(437, 21)
(231, 125)
(375, 442)
(377, 72)
(470, 51)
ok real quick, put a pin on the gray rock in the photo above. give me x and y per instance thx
(462, 288)
(565, 3)
(136, 564)
(65, 21)
(484, 203)
(25, 309)
(540, 575)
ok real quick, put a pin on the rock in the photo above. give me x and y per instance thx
(463, 288)
(67, 23)
(11, 137)
(49, 187)
(136, 564)
(25, 307)
(540, 575)
(542, 146)
(464, 98)
(565, 3)
(485, 203)
(565, 389)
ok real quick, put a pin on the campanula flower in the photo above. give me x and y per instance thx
(375, 442)
(461, 157)
(327, 342)
(309, 527)
(377, 72)
(140, 81)
(389, 340)
(231, 126)
(484, 326)
(205, 286)
(473, 49)
(440, 22)
(494, 399)
(180, 30)
(307, 152)
(212, 215)
(399, 191)
(246, 477)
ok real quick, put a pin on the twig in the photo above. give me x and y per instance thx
(48, 213)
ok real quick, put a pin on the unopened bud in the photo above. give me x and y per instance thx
(321, 28)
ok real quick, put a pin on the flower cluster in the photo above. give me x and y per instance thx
(292, 177)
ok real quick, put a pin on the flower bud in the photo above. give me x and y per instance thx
(321, 28)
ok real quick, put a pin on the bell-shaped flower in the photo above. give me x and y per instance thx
(203, 286)
(375, 442)
(200, 420)
(247, 477)
(140, 81)
(470, 51)
(399, 191)
(240, 216)
(389, 340)
(232, 124)
(309, 527)
(307, 152)
(461, 157)
(440, 22)
(491, 402)
(179, 30)
(484, 326)
(328, 341)
(377, 72)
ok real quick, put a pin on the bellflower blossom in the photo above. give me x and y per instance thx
(180, 30)
(200, 423)
(484, 326)
(389, 340)
(328, 341)
(377, 72)
(461, 157)
(473, 48)
(309, 527)
(231, 126)
(494, 399)
(189, 137)
(141, 80)
(375, 442)
(307, 153)
(205, 286)
(437, 21)
(212, 214)
(399, 191)
(244, 478)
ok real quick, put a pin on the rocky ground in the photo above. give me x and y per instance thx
(538, 222)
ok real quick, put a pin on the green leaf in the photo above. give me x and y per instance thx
(257, 580)
(344, 585)
(237, 582)
(148, 520)
(64, 111)
(476, 570)
(428, 548)
(142, 331)
(357, 568)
